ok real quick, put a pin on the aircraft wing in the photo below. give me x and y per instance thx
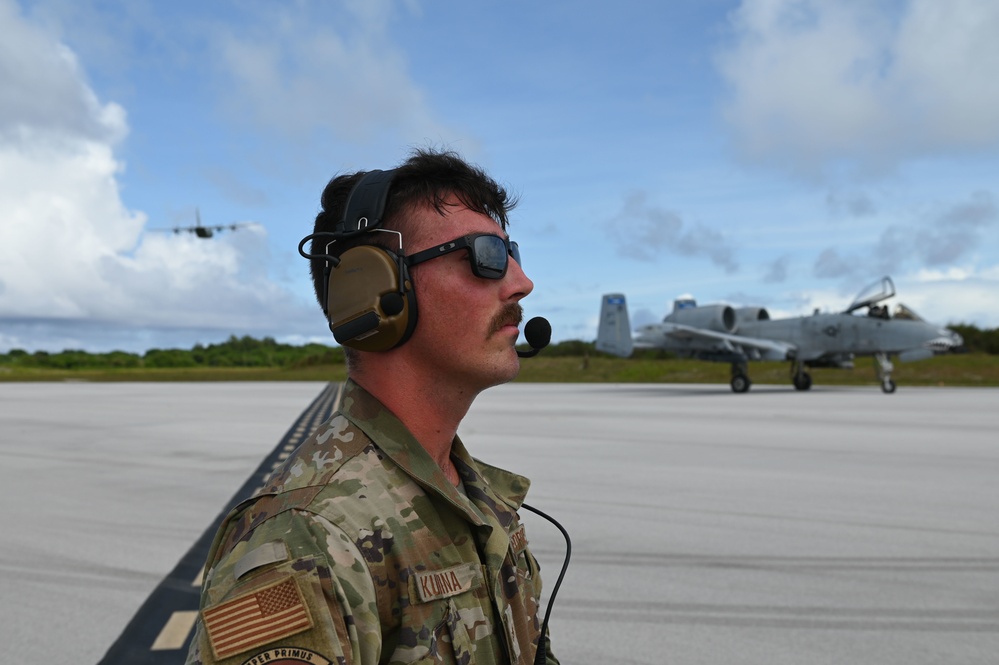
(756, 348)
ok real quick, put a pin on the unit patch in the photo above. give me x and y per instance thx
(287, 656)
(256, 618)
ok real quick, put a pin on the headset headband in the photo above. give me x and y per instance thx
(365, 204)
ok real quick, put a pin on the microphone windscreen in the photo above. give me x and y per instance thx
(538, 332)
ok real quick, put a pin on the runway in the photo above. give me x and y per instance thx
(835, 526)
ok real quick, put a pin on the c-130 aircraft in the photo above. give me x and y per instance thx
(721, 333)
(202, 231)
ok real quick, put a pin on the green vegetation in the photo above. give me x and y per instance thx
(248, 359)
(952, 370)
(977, 340)
(236, 352)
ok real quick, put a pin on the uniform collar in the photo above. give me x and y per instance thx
(500, 490)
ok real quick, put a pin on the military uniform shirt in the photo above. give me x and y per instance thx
(359, 551)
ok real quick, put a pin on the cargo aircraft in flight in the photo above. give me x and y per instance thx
(722, 333)
(202, 231)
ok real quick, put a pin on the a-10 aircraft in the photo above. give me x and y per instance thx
(722, 333)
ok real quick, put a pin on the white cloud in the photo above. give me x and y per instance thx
(953, 296)
(71, 251)
(950, 274)
(43, 95)
(59, 203)
(817, 84)
(61, 218)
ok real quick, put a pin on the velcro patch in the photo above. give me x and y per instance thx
(256, 618)
(268, 553)
(437, 584)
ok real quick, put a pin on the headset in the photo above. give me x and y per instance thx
(368, 295)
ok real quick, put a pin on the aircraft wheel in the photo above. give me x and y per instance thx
(887, 386)
(802, 381)
(740, 383)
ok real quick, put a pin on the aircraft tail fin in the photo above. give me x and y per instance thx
(614, 329)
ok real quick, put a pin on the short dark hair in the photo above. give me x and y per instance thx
(427, 178)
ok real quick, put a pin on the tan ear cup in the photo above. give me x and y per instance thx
(371, 304)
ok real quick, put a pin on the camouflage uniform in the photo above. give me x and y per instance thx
(359, 551)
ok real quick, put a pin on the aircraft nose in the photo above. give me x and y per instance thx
(948, 340)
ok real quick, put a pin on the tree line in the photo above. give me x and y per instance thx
(249, 352)
(977, 340)
(234, 352)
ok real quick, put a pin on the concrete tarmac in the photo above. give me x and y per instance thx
(835, 526)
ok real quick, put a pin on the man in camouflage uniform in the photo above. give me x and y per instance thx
(381, 540)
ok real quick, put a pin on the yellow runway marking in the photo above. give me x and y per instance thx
(175, 632)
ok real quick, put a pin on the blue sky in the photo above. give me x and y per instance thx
(782, 153)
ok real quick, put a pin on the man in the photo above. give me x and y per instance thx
(381, 540)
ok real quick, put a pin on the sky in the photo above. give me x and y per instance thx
(775, 153)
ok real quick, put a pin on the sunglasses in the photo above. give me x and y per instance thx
(488, 254)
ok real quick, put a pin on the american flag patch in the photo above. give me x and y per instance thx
(256, 618)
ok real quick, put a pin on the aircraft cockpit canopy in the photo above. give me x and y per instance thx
(880, 290)
(903, 312)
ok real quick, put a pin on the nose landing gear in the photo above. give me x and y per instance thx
(884, 369)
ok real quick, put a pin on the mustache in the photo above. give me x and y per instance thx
(511, 314)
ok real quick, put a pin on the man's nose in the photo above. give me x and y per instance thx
(517, 282)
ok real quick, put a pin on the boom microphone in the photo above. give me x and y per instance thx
(537, 334)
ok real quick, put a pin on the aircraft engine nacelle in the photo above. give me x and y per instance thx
(720, 318)
(750, 315)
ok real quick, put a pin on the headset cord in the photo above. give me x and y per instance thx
(540, 654)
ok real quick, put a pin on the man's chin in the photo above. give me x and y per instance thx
(507, 370)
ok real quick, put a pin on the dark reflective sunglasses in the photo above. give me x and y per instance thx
(487, 253)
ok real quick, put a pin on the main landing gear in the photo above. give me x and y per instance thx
(740, 377)
(800, 377)
(885, 368)
(802, 380)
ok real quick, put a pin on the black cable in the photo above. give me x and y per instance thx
(540, 654)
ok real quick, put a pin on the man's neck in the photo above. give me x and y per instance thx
(430, 412)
